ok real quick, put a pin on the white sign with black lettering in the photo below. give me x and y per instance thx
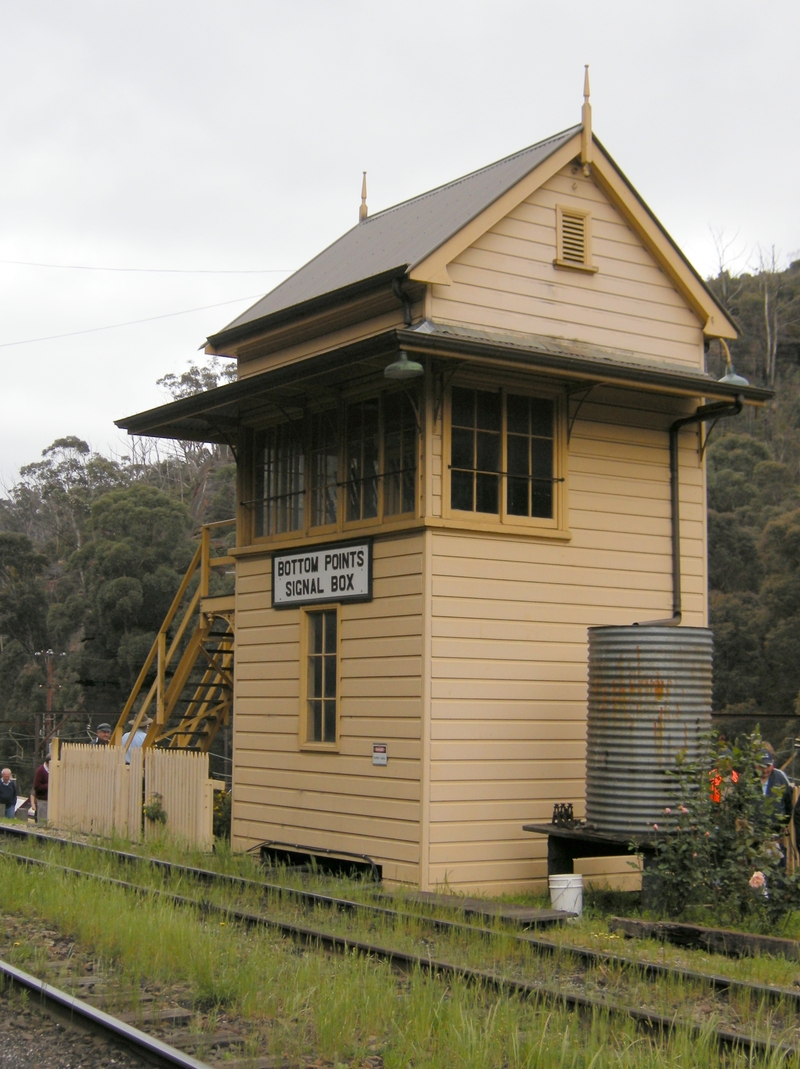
(336, 572)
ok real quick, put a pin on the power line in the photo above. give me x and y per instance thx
(156, 270)
(130, 323)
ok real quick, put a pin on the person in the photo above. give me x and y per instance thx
(776, 785)
(138, 738)
(41, 781)
(103, 735)
(8, 792)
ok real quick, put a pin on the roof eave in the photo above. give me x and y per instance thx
(235, 335)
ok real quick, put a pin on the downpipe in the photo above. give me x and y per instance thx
(715, 411)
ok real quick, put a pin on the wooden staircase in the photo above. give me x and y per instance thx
(191, 696)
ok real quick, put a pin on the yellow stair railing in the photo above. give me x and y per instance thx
(210, 642)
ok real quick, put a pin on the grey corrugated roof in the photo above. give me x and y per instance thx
(403, 235)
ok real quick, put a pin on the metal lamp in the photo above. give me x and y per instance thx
(730, 377)
(403, 368)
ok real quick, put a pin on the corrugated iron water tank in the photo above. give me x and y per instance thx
(649, 698)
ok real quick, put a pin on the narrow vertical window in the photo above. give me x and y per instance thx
(280, 473)
(399, 455)
(475, 450)
(324, 461)
(362, 459)
(529, 486)
(321, 687)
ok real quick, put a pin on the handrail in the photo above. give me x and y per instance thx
(163, 655)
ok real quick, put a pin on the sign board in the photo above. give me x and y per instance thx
(380, 753)
(339, 571)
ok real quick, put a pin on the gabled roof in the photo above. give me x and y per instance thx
(418, 238)
(402, 236)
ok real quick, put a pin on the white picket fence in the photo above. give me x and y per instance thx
(93, 790)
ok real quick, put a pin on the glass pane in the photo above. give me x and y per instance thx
(461, 450)
(461, 490)
(315, 632)
(315, 677)
(488, 410)
(488, 451)
(329, 734)
(329, 688)
(542, 458)
(542, 500)
(517, 414)
(517, 503)
(463, 407)
(486, 493)
(392, 413)
(370, 417)
(330, 631)
(518, 454)
(541, 417)
(315, 721)
(409, 491)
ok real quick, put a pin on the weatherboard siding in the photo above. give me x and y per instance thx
(509, 619)
(324, 799)
(506, 281)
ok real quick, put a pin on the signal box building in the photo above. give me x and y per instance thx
(452, 438)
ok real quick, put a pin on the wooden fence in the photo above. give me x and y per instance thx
(93, 790)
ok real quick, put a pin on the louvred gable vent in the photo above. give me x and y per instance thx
(573, 238)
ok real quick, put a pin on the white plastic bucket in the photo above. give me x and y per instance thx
(566, 892)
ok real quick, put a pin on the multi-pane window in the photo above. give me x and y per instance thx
(363, 454)
(337, 467)
(321, 683)
(280, 481)
(324, 465)
(502, 453)
(399, 454)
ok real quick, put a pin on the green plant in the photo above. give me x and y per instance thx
(154, 810)
(222, 814)
(719, 845)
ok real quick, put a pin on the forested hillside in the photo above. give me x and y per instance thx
(92, 548)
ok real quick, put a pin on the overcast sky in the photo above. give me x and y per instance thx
(208, 137)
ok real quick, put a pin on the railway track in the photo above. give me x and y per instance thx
(153, 1051)
(406, 960)
(587, 955)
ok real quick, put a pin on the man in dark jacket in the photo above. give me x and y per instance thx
(776, 785)
(41, 781)
(8, 793)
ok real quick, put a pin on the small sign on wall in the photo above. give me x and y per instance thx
(380, 753)
(339, 571)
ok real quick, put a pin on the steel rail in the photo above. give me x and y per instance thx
(154, 1050)
(649, 969)
(404, 960)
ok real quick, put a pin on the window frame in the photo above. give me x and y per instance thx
(305, 742)
(502, 518)
(573, 265)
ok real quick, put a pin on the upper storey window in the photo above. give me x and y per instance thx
(503, 458)
(337, 468)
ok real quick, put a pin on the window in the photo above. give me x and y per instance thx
(573, 239)
(342, 466)
(280, 486)
(321, 685)
(502, 454)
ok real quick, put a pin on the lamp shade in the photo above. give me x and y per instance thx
(403, 368)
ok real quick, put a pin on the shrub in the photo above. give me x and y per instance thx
(720, 846)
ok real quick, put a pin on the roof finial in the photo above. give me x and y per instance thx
(363, 211)
(586, 120)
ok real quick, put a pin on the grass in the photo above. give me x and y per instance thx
(298, 1001)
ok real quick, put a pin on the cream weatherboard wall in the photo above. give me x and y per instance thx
(324, 799)
(506, 281)
(508, 631)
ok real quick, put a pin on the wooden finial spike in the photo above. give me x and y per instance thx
(586, 119)
(363, 211)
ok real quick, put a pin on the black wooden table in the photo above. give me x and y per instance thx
(565, 843)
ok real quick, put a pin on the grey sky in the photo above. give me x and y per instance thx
(232, 136)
